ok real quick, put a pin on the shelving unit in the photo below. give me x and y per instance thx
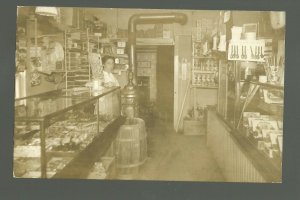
(77, 70)
(204, 69)
(108, 46)
(78, 73)
(203, 87)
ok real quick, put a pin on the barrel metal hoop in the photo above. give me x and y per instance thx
(132, 165)
(130, 140)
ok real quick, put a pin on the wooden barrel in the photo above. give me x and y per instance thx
(131, 148)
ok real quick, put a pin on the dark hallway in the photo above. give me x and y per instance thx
(165, 82)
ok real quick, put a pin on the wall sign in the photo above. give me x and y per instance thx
(227, 16)
(247, 50)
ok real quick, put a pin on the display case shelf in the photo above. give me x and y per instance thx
(273, 109)
(268, 85)
(203, 87)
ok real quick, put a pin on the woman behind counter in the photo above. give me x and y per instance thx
(102, 77)
(108, 66)
(110, 106)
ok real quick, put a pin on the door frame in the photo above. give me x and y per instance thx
(176, 79)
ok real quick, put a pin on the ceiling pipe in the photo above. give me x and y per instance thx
(129, 94)
(148, 19)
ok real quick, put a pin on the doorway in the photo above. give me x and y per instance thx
(165, 82)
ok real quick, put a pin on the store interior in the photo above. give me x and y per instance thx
(190, 95)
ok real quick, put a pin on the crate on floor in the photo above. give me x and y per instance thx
(194, 127)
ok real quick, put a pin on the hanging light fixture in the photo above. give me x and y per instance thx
(277, 19)
(46, 11)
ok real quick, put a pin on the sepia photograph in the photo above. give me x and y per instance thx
(149, 94)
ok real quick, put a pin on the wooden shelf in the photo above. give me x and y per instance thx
(74, 50)
(274, 109)
(50, 35)
(119, 39)
(197, 41)
(204, 87)
(139, 41)
(154, 41)
(117, 55)
(105, 40)
(59, 71)
(271, 86)
(204, 72)
(203, 57)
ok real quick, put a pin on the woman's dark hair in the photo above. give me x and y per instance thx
(105, 58)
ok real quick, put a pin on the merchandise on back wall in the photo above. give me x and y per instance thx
(205, 69)
(21, 54)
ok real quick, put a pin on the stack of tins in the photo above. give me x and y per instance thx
(131, 148)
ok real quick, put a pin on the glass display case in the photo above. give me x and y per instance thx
(52, 128)
(253, 109)
(261, 119)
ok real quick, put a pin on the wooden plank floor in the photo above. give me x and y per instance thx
(176, 157)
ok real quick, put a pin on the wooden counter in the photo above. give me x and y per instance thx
(238, 159)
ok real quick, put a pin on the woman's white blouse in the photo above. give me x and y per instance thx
(109, 77)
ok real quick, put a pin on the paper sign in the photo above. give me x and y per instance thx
(227, 16)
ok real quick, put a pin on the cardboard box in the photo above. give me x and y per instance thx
(120, 51)
(194, 127)
(121, 44)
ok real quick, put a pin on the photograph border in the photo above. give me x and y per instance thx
(11, 188)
